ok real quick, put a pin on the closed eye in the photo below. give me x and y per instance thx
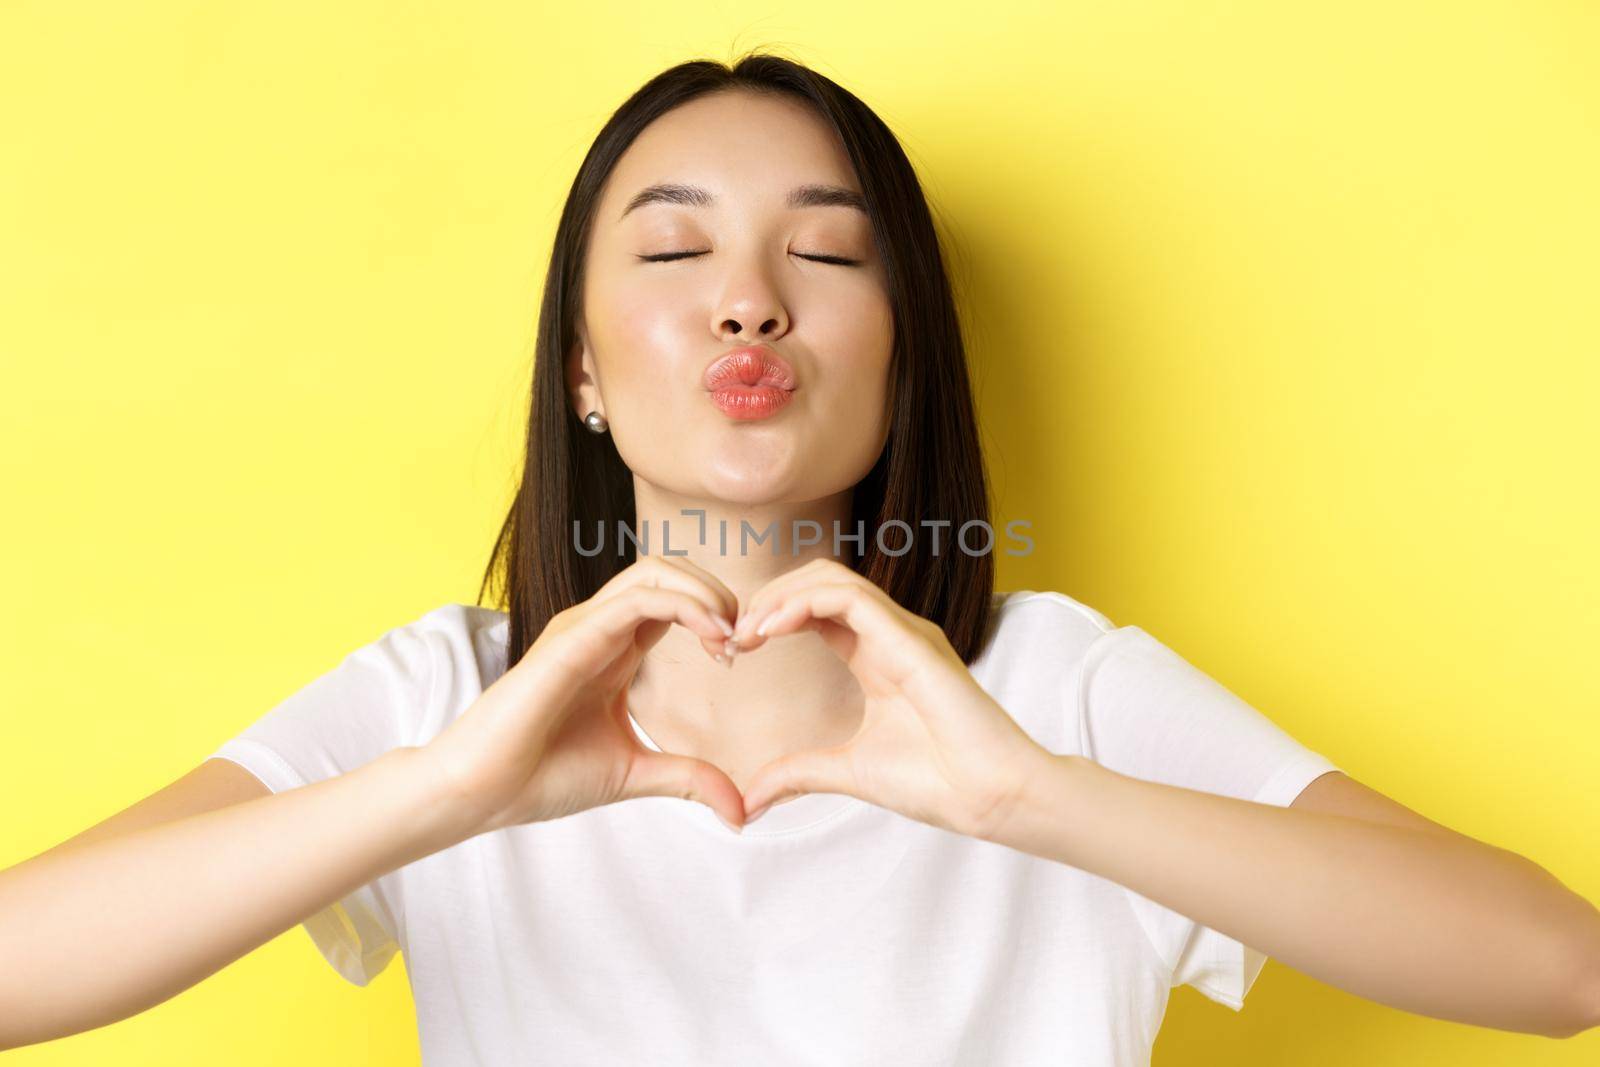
(839, 260)
(667, 257)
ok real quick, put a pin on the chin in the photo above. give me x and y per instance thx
(752, 486)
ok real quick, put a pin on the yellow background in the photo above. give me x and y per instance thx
(1283, 325)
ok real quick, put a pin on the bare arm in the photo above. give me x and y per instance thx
(151, 901)
(143, 906)
(1402, 912)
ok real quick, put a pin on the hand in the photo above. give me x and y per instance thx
(551, 736)
(933, 745)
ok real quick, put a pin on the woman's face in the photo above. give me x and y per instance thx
(649, 331)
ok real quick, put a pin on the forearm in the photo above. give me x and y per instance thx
(1431, 922)
(104, 930)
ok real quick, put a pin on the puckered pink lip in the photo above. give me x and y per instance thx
(750, 402)
(752, 365)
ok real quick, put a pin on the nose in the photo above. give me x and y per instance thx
(751, 310)
(734, 330)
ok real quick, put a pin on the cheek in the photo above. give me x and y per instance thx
(634, 325)
(861, 339)
(648, 308)
(638, 336)
(859, 342)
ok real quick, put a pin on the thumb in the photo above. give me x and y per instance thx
(817, 770)
(662, 774)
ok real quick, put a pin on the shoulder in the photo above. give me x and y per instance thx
(457, 620)
(461, 649)
(1054, 607)
(1028, 620)
(1037, 642)
(449, 632)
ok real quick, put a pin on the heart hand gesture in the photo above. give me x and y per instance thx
(551, 736)
(933, 745)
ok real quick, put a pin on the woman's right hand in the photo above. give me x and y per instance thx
(551, 736)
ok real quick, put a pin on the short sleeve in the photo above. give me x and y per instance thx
(1148, 713)
(365, 706)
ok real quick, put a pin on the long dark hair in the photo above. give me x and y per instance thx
(931, 467)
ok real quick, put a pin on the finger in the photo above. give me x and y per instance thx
(726, 601)
(818, 770)
(658, 572)
(663, 774)
(665, 604)
(762, 599)
(609, 627)
(672, 573)
(845, 616)
(844, 603)
(682, 573)
(818, 571)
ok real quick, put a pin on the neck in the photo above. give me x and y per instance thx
(790, 694)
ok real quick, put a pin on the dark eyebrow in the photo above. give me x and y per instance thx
(694, 196)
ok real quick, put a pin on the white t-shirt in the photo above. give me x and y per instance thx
(831, 931)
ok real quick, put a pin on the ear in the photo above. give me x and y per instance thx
(583, 390)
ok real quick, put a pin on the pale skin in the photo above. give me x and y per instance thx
(1345, 884)
(833, 686)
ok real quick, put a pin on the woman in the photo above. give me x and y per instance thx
(976, 828)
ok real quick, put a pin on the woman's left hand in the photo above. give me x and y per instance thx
(933, 745)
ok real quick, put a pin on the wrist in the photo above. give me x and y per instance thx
(440, 813)
(1051, 796)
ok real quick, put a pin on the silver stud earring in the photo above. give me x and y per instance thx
(596, 422)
